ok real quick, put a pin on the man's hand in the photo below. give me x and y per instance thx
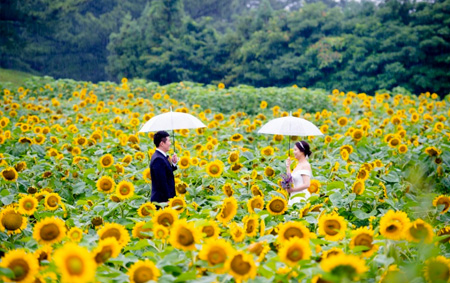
(174, 158)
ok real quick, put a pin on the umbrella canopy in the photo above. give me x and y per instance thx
(290, 126)
(171, 121)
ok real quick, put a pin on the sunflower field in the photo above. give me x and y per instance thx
(75, 186)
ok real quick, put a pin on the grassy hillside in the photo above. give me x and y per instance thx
(16, 78)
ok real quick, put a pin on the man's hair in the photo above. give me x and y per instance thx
(159, 137)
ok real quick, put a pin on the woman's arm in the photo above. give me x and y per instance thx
(302, 187)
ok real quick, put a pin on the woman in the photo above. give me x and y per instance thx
(301, 175)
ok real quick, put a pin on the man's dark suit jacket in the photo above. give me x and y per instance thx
(163, 182)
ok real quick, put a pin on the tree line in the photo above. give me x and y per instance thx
(361, 46)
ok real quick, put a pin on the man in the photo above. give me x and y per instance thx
(161, 169)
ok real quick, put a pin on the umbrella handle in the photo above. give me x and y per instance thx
(289, 152)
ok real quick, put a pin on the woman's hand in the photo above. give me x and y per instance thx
(288, 162)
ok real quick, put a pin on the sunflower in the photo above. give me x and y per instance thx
(216, 252)
(24, 140)
(215, 168)
(146, 209)
(233, 157)
(147, 176)
(49, 230)
(332, 226)
(237, 167)
(12, 221)
(357, 135)
(442, 200)
(250, 224)
(277, 206)
(358, 187)
(27, 205)
(432, 151)
(160, 232)
(75, 263)
(228, 189)
(256, 202)
(444, 231)
(106, 160)
(291, 230)
(437, 269)
(237, 232)
(402, 149)
(347, 148)
(138, 229)
(419, 231)
(363, 174)
(294, 250)
(349, 266)
(9, 174)
(263, 104)
(393, 224)
(22, 165)
(332, 252)
(75, 234)
(314, 187)
(143, 271)
(210, 229)
(237, 137)
(106, 249)
(178, 204)
(106, 184)
(23, 265)
(44, 253)
(184, 235)
(363, 237)
(125, 190)
(267, 151)
(184, 163)
(228, 210)
(269, 172)
(241, 266)
(116, 231)
(165, 217)
(342, 121)
(97, 221)
(52, 201)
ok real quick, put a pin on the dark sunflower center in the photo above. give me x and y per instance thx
(276, 206)
(208, 230)
(20, 268)
(74, 265)
(294, 254)
(293, 232)
(9, 175)
(112, 232)
(50, 232)
(185, 237)
(332, 227)
(364, 240)
(216, 256)
(143, 274)
(165, 219)
(240, 266)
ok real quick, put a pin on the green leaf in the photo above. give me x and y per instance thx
(175, 270)
(6, 272)
(336, 185)
(391, 177)
(190, 275)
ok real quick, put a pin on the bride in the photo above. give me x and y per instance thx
(301, 175)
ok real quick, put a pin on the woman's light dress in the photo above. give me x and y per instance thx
(297, 178)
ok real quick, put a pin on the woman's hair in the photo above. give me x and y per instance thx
(303, 147)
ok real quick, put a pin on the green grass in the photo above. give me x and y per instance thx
(15, 78)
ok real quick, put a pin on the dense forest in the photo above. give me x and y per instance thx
(363, 46)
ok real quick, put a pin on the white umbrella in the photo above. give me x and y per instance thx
(172, 121)
(290, 126)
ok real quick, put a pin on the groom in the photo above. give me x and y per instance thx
(161, 169)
